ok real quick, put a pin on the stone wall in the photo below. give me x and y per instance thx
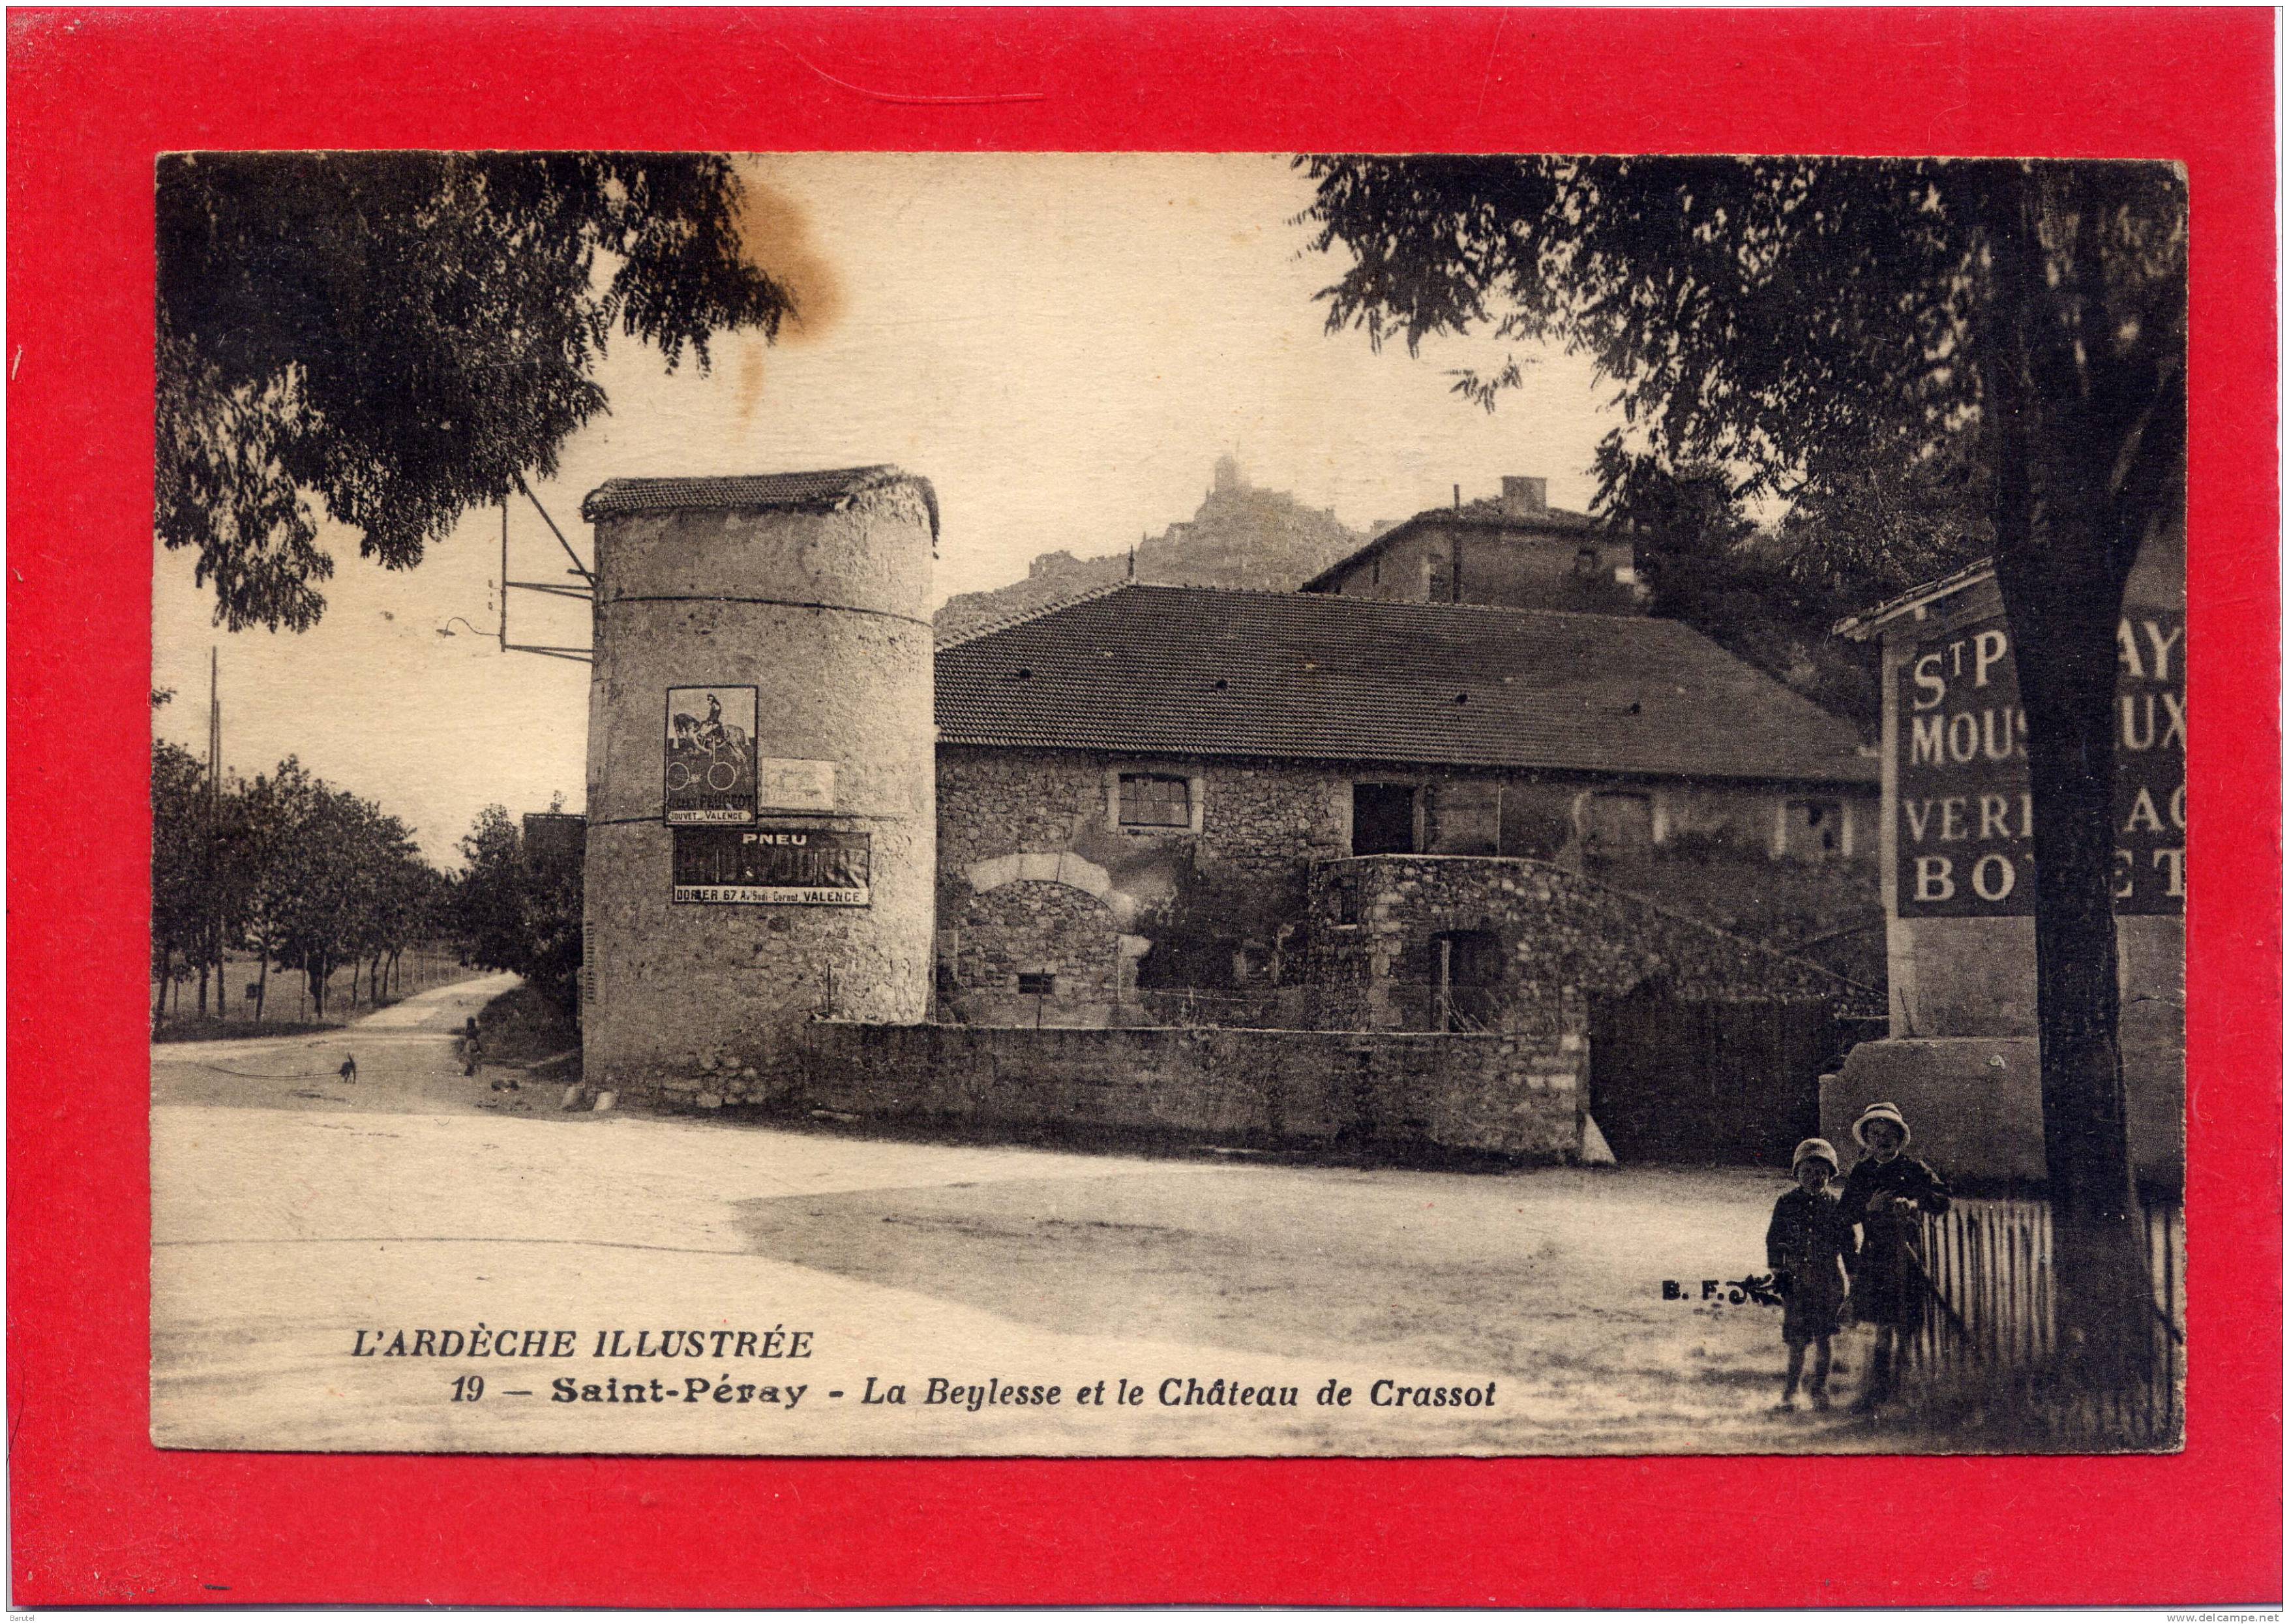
(1262, 825)
(1975, 1105)
(1036, 927)
(1506, 1096)
(1835, 904)
(1561, 936)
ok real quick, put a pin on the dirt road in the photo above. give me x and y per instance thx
(301, 1224)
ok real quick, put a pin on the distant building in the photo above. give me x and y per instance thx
(1514, 550)
(1115, 758)
(1956, 833)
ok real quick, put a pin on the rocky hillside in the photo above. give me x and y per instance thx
(1241, 536)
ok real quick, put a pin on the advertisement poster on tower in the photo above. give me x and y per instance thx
(711, 755)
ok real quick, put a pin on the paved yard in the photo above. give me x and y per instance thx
(292, 1213)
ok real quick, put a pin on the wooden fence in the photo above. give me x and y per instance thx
(1989, 1336)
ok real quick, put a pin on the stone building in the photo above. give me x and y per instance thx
(1955, 844)
(1681, 1041)
(759, 838)
(1373, 836)
(1133, 790)
(1513, 550)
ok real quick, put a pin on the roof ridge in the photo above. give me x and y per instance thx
(653, 479)
(1862, 623)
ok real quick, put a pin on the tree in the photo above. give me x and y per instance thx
(302, 874)
(513, 910)
(488, 918)
(283, 810)
(400, 335)
(205, 866)
(2010, 331)
(1767, 596)
(179, 907)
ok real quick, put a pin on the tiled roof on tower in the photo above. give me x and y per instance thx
(817, 488)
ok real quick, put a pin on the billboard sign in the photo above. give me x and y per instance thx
(795, 786)
(709, 756)
(1965, 816)
(814, 867)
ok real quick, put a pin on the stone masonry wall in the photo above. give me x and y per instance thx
(1562, 937)
(1265, 823)
(1483, 1094)
(1033, 927)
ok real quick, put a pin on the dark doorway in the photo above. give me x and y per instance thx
(1699, 1082)
(1466, 967)
(1382, 818)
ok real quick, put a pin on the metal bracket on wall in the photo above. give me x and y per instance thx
(586, 591)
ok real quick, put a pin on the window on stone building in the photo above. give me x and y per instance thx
(1382, 818)
(1812, 828)
(1617, 821)
(1036, 983)
(1155, 800)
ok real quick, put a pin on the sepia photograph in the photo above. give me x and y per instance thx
(1146, 805)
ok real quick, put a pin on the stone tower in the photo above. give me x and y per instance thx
(761, 789)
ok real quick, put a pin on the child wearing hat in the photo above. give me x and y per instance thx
(1808, 1246)
(1886, 1189)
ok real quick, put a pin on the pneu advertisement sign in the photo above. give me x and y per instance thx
(709, 756)
(815, 866)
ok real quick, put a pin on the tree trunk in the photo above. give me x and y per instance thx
(166, 975)
(2063, 554)
(2066, 655)
(261, 981)
(203, 986)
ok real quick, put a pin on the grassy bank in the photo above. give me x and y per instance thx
(525, 1028)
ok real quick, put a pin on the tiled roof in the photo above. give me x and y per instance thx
(1020, 616)
(1210, 671)
(819, 488)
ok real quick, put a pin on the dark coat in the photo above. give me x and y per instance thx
(1888, 1281)
(1809, 1248)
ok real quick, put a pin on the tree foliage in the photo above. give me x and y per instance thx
(1810, 322)
(399, 336)
(511, 908)
(1923, 359)
(302, 875)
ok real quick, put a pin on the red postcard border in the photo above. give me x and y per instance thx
(101, 1517)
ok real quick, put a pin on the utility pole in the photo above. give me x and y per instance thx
(214, 726)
